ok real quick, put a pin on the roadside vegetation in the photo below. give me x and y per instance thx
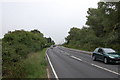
(36, 64)
(103, 29)
(20, 54)
(0, 58)
(0, 41)
(0, 46)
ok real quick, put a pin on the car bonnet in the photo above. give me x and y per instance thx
(114, 55)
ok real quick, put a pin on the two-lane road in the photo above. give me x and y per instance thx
(69, 63)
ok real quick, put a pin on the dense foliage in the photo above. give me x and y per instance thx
(102, 31)
(16, 46)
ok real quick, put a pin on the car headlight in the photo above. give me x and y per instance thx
(111, 57)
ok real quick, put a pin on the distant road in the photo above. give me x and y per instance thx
(69, 63)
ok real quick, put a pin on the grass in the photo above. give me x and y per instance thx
(0, 46)
(35, 65)
(0, 58)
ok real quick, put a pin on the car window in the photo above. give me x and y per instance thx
(96, 50)
(109, 50)
(100, 51)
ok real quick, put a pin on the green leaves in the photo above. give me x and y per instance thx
(16, 46)
(103, 30)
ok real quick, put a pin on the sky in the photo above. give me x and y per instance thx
(53, 18)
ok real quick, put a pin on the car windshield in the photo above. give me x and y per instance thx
(109, 50)
(113, 53)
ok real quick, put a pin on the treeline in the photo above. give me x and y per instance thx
(0, 41)
(16, 46)
(103, 28)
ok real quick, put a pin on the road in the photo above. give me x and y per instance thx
(69, 63)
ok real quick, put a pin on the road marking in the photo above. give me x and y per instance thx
(61, 51)
(67, 53)
(52, 66)
(97, 66)
(76, 58)
(105, 69)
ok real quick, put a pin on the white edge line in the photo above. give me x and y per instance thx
(79, 60)
(105, 69)
(51, 66)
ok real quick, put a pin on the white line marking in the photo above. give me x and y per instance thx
(105, 69)
(98, 66)
(51, 66)
(90, 64)
(76, 58)
(66, 53)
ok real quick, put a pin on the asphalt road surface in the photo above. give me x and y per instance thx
(69, 63)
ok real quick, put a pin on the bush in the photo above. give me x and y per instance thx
(16, 46)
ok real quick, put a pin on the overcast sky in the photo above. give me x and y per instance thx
(53, 18)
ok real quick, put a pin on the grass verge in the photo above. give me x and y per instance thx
(35, 65)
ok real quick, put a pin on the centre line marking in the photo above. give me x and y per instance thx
(105, 69)
(76, 58)
(97, 66)
(66, 53)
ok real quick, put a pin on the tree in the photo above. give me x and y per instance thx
(16, 46)
(103, 30)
